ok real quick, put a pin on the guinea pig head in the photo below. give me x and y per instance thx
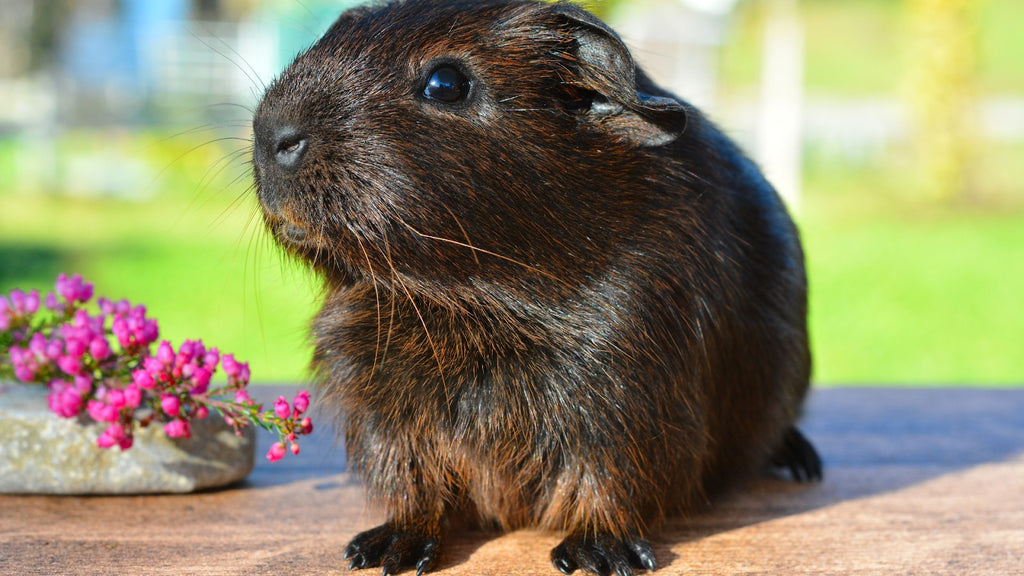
(450, 144)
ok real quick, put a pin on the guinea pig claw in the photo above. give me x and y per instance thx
(642, 554)
(564, 565)
(429, 559)
(393, 549)
(798, 456)
(603, 554)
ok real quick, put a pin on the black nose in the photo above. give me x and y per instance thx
(288, 147)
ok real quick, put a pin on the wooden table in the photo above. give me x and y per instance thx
(917, 482)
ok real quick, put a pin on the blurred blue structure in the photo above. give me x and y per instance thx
(142, 61)
(108, 50)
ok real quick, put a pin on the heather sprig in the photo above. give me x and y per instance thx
(100, 360)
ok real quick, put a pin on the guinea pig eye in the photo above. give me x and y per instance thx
(446, 84)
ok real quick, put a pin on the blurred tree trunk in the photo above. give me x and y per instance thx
(942, 93)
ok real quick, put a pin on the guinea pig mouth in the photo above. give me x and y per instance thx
(288, 232)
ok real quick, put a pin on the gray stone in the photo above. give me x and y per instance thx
(42, 453)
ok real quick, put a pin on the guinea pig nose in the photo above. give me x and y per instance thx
(289, 147)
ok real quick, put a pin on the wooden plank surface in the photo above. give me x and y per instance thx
(917, 482)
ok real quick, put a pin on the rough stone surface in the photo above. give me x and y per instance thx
(42, 453)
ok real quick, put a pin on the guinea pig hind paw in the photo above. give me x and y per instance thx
(392, 549)
(798, 455)
(603, 554)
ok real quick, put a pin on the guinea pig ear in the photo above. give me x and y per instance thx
(606, 68)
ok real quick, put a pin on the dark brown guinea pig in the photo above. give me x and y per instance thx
(556, 296)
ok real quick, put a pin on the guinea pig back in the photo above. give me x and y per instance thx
(555, 295)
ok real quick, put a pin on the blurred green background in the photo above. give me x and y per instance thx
(134, 170)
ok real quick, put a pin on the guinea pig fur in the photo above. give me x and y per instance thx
(555, 295)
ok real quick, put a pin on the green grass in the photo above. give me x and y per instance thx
(906, 291)
(918, 301)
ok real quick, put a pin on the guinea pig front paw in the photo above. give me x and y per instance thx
(603, 554)
(393, 549)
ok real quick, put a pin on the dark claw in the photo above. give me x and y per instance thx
(392, 549)
(643, 555)
(798, 455)
(564, 565)
(428, 560)
(603, 554)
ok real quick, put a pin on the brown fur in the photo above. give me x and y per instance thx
(567, 301)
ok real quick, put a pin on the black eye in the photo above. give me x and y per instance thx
(447, 84)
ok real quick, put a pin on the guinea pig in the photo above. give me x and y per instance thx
(555, 295)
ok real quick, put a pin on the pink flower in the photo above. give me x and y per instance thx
(178, 429)
(281, 408)
(243, 373)
(202, 412)
(212, 358)
(143, 379)
(105, 306)
(70, 365)
(110, 437)
(171, 405)
(153, 366)
(115, 397)
(115, 434)
(101, 411)
(75, 348)
(100, 349)
(165, 353)
(6, 317)
(294, 448)
(230, 365)
(132, 396)
(53, 304)
(32, 302)
(38, 345)
(301, 402)
(74, 289)
(83, 384)
(148, 333)
(23, 304)
(24, 373)
(242, 397)
(201, 380)
(121, 331)
(305, 426)
(186, 352)
(54, 350)
(276, 452)
(64, 399)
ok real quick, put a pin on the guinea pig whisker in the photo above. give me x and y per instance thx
(483, 251)
(391, 319)
(464, 234)
(397, 281)
(376, 295)
(251, 74)
(548, 109)
(430, 342)
(249, 110)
